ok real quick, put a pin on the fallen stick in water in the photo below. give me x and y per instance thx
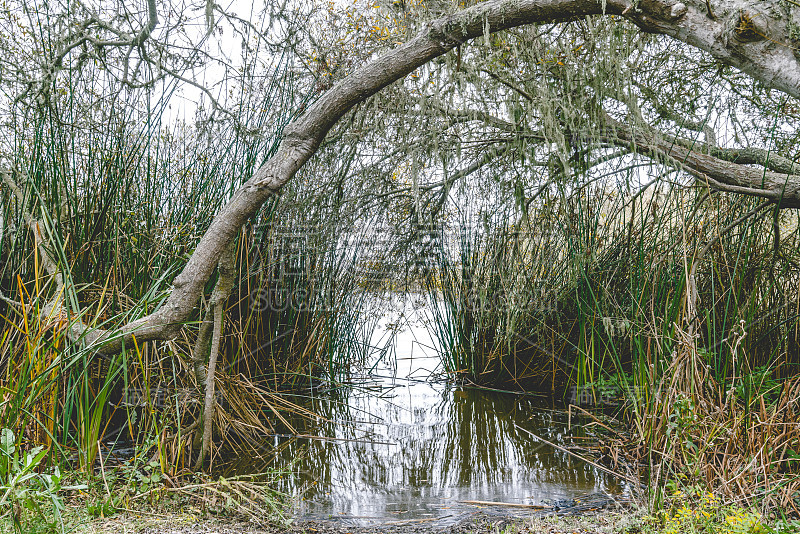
(513, 504)
(578, 456)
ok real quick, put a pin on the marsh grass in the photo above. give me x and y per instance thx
(679, 303)
(122, 205)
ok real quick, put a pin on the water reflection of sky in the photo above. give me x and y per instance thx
(404, 448)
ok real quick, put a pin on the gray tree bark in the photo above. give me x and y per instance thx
(755, 38)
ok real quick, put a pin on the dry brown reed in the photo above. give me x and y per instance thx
(698, 431)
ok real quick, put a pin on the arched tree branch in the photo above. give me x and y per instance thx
(689, 22)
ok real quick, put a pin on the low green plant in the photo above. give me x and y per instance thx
(693, 510)
(785, 526)
(26, 491)
(102, 507)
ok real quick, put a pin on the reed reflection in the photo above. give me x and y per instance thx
(409, 448)
(414, 449)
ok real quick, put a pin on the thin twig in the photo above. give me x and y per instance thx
(578, 456)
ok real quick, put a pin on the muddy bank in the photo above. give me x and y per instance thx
(596, 523)
(618, 520)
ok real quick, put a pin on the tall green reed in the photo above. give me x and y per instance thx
(595, 287)
(124, 202)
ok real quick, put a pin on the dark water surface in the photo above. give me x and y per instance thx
(399, 446)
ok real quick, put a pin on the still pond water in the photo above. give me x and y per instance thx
(401, 446)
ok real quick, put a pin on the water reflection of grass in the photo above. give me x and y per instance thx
(433, 442)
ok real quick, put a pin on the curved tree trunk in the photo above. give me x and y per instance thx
(733, 31)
